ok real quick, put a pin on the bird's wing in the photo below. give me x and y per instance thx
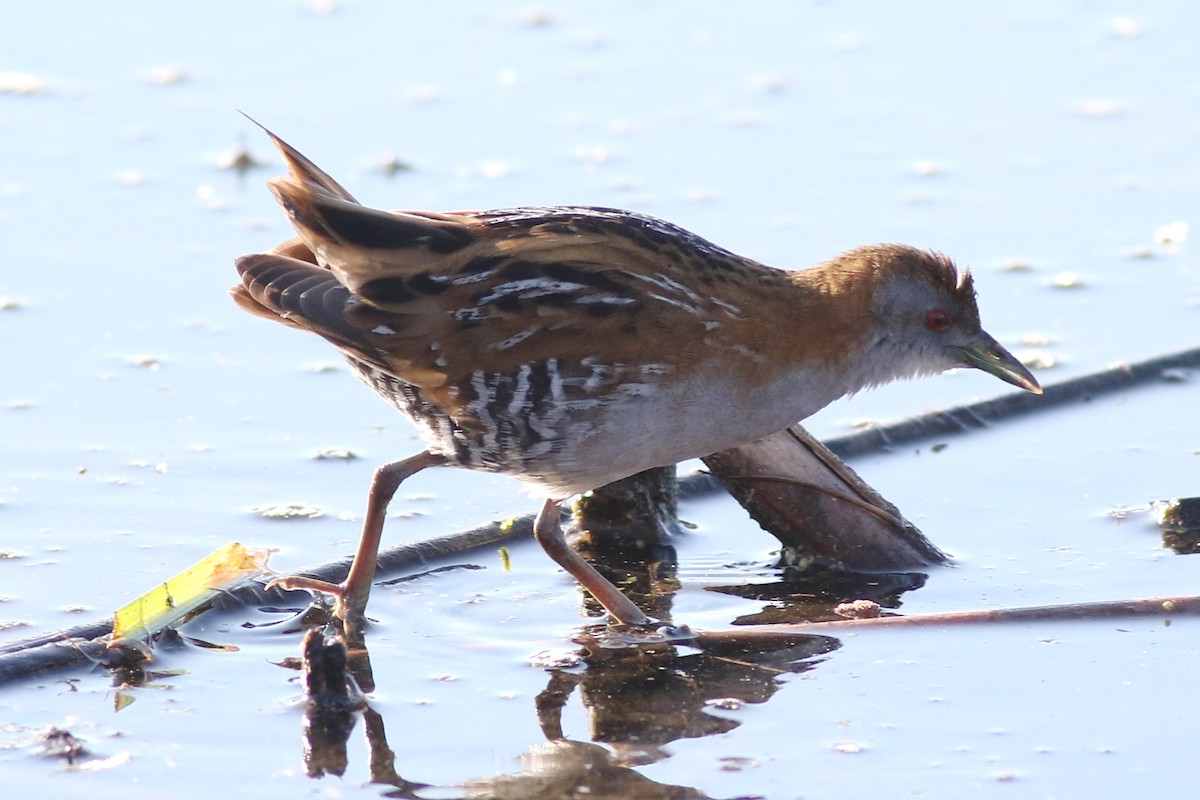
(432, 298)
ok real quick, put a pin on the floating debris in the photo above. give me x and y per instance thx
(239, 160)
(1174, 233)
(561, 660)
(174, 599)
(160, 468)
(325, 367)
(1016, 265)
(1177, 375)
(1180, 523)
(537, 18)
(390, 164)
(726, 703)
(288, 511)
(60, 743)
(336, 454)
(1067, 280)
(21, 83)
(1122, 513)
(1037, 359)
(167, 76)
(146, 362)
(861, 609)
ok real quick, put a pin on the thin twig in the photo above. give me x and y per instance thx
(1107, 609)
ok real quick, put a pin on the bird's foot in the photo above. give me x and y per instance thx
(676, 633)
(650, 632)
(347, 608)
(634, 636)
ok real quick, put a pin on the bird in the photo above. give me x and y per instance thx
(572, 346)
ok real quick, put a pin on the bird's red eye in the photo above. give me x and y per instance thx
(937, 320)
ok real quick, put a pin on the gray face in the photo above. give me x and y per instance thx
(924, 329)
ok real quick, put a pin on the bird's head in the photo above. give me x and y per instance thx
(924, 319)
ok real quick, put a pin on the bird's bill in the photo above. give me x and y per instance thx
(987, 354)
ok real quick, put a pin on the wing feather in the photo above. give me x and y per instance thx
(432, 298)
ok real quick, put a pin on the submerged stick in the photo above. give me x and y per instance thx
(802, 494)
(1105, 609)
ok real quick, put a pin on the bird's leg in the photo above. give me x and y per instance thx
(352, 593)
(548, 531)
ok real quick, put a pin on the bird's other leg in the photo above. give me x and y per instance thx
(352, 593)
(548, 531)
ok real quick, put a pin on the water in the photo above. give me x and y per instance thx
(144, 415)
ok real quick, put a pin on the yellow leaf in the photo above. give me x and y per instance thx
(174, 599)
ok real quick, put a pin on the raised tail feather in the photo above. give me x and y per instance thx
(304, 170)
(351, 239)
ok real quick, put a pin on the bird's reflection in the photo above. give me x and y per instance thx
(639, 696)
(643, 696)
(640, 690)
(565, 768)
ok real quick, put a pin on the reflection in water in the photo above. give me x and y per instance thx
(814, 594)
(335, 665)
(576, 769)
(642, 696)
(1180, 523)
(641, 690)
(333, 697)
(639, 696)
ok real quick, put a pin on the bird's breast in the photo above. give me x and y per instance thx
(567, 426)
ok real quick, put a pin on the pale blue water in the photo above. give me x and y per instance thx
(143, 415)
